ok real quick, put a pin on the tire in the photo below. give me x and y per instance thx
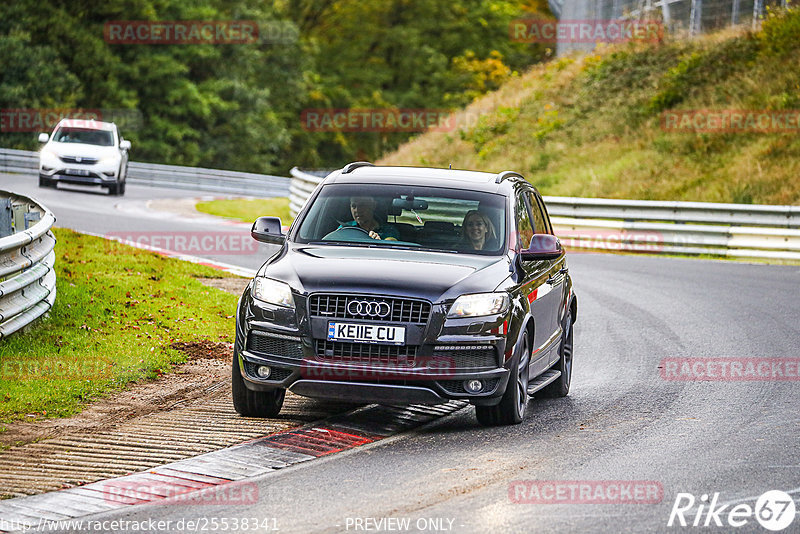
(514, 403)
(560, 386)
(45, 182)
(253, 403)
(121, 188)
(113, 189)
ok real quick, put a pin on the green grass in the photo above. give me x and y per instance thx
(117, 311)
(590, 126)
(248, 210)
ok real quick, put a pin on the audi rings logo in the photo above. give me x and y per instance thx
(365, 308)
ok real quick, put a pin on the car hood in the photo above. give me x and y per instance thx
(83, 150)
(432, 276)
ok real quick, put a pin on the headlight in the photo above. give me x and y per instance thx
(479, 304)
(273, 292)
(109, 160)
(48, 154)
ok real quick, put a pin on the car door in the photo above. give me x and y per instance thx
(534, 287)
(557, 274)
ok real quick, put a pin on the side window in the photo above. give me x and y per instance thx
(524, 228)
(539, 224)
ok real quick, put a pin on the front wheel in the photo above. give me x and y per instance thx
(514, 403)
(253, 403)
(560, 386)
(45, 182)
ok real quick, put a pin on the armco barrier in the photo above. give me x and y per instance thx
(170, 176)
(27, 256)
(735, 230)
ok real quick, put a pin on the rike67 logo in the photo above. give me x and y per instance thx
(774, 510)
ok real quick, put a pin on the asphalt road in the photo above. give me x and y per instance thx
(621, 422)
(92, 209)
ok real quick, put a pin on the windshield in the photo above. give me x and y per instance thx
(88, 136)
(430, 218)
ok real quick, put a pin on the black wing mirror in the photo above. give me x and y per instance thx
(543, 247)
(268, 230)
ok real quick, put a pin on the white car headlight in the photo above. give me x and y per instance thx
(48, 155)
(273, 292)
(479, 304)
(109, 160)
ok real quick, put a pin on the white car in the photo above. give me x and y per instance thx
(84, 152)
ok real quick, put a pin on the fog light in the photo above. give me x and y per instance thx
(473, 386)
(263, 371)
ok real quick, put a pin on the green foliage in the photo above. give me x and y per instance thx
(238, 106)
(593, 127)
(248, 210)
(118, 312)
(780, 34)
(489, 127)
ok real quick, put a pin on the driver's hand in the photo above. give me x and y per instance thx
(374, 235)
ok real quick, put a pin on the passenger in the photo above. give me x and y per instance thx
(363, 211)
(478, 231)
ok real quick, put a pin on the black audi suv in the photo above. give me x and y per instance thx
(404, 285)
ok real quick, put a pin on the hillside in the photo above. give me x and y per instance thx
(591, 126)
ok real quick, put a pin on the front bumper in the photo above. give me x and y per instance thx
(94, 178)
(369, 383)
(99, 173)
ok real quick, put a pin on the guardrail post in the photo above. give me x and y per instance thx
(18, 215)
(5, 218)
(31, 218)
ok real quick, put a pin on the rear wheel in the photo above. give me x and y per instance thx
(560, 386)
(514, 403)
(253, 403)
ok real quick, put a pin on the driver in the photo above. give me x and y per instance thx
(363, 211)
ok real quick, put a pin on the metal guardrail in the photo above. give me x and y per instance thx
(171, 176)
(657, 227)
(27, 256)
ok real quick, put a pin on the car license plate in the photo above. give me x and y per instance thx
(366, 333)
(78, 172)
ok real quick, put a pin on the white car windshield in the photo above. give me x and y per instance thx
(433, 218)
(87, 136)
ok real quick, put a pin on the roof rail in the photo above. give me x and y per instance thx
(506, 174)
(350, 167)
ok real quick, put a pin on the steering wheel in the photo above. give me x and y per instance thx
(356, 233)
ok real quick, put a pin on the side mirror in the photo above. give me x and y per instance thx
(543, 247)
(125, 145)
(43, 138)
(268, 230)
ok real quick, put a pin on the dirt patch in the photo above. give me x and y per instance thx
(231, 285)
(209, 363)
(205, 350)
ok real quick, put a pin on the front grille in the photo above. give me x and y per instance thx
(468, 358)
(74, 160)
(275, 344)
(278, 374)
(456, 387)
(400, 310)
(346, 352)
